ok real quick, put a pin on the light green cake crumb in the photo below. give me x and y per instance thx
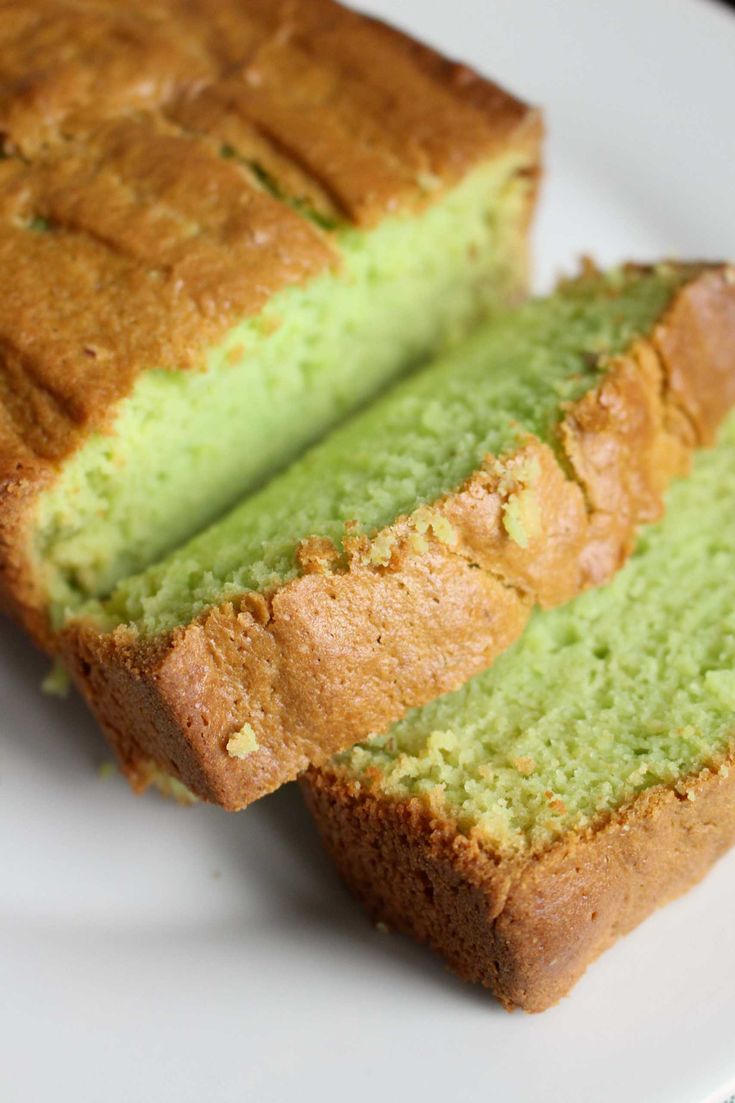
(381, 548)
(426, 520)
(242, 743)
(522, 517)
(57, 682)
(171, 787)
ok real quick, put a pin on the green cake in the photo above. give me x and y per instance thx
(405, 551)
(222, 256)
(583, 779)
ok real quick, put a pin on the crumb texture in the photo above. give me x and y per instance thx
(359, 635)
(512, 379)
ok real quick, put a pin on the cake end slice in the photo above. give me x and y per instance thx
(524, 823)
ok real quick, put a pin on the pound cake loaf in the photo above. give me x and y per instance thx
(222, 228)
(406, 551)
(523, 823)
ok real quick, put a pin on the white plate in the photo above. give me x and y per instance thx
(151, 953)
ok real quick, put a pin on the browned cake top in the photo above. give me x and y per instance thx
(138, 136)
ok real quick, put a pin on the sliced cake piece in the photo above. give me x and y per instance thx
(221, 230)
(522, 824)
(406, 551)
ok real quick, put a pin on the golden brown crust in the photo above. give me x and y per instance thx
(345, 649)
(524, 927)
(118, 120)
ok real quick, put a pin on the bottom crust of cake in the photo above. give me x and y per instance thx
(527, 926)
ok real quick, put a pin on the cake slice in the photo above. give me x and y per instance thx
(221, 230)
(407, 550)
(523, 823)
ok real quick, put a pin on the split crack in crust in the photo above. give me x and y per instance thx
(343, 650)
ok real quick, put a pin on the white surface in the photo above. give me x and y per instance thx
(153, 954)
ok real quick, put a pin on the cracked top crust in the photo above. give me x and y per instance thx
(137, 138)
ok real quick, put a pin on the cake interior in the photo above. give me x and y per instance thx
(626, 687)
(185, 445)
(420, 440)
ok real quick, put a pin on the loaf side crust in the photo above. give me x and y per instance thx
(113, 122)
(347, 647)
(525, 927)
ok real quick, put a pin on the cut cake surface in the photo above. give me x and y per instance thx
(524, 823)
